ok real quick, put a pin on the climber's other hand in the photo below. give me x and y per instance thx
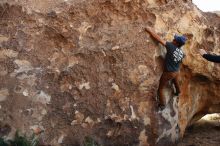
(202, 52)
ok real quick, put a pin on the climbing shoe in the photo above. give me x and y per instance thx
(177, 93)
(161, 107)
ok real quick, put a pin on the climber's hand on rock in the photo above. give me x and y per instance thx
(202, 52)
(148, 29)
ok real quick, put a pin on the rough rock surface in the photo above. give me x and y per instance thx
(77, 68)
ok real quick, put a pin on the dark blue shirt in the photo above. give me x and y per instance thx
(173, 58)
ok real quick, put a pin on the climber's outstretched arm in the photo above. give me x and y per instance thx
(155, 36)
(209, 57)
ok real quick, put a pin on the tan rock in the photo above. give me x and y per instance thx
(3, 94)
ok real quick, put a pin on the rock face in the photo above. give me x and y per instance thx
(77, 69)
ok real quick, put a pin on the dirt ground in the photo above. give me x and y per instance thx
(206, 132)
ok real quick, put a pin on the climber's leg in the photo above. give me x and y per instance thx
(163, 81)
(166, 76)
(176, 83)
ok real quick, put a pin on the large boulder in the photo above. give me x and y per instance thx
(77, 69)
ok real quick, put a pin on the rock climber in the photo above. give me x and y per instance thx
(209, 57)
(173, 60)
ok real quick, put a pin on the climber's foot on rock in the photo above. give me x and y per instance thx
(177, 93)
(161, 107)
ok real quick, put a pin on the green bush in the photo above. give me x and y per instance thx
(90, 142)
(20, 141)
(2, 142)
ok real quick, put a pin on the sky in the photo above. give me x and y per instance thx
(208, 5)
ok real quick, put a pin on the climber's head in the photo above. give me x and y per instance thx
(179, 40)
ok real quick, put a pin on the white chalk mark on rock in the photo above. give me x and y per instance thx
(3, 94)
(84, 85)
